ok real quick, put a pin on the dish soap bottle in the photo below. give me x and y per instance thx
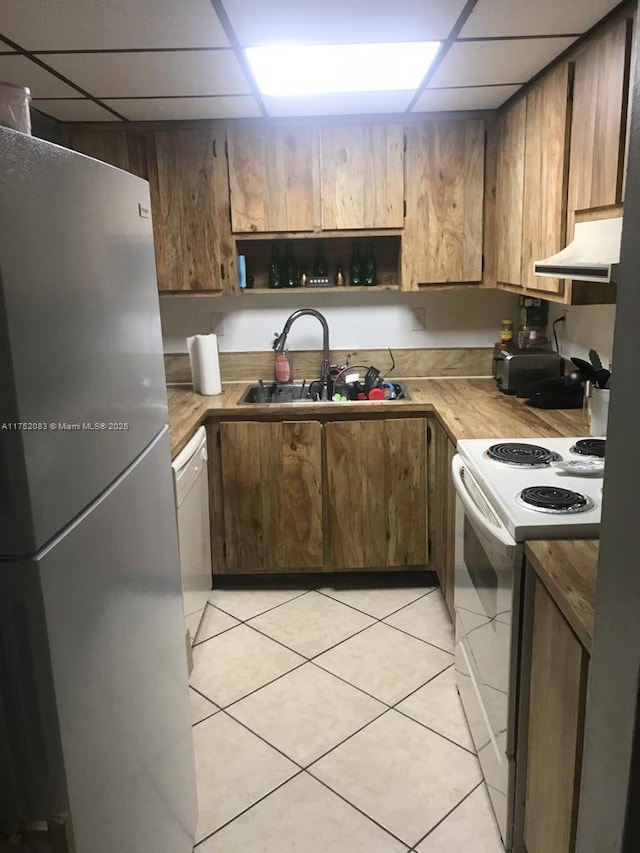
(282, 366)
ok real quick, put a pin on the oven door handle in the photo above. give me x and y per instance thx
(496, 531)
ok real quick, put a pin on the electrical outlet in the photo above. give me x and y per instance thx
(216, 324)
(418, 319)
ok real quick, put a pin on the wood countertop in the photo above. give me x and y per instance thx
(569, 570)
(466, 408)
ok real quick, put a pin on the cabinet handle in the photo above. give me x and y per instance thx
(404, 208)
(215, 153)
(221, 270)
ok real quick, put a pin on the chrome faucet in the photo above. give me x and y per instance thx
(280, 341)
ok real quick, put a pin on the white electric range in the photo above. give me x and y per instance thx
(509, 491)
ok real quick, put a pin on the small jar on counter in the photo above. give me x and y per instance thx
(507, 332)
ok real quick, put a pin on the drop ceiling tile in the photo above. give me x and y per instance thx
(74, 109)
(339, 103)
(165, 74)
(472, 98)
(484, 62)
(23, 72)
(111, 24)
(336, 22)
(182, 109)
(524, 18)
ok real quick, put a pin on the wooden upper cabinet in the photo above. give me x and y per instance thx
(444, 186)
(510, 193)
(545, 175)
(598, 129)
(272, 176)
(121, 148)
(272, 486)
(361, 176)
(377, 493)
(189, 183)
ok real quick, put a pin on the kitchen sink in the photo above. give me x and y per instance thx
(301, 393)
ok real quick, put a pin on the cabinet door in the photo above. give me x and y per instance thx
(362, 176)
(188, 177)
(121, 148)
(444, 178)
(510, 194)
(545, 175)
(272, 492)
(598, 128)
(557, 697)
(442, 510)
(273, 178)
(377, 493)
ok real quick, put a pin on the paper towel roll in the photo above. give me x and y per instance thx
(205, 364)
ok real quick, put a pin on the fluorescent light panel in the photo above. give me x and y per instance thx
(323, 68)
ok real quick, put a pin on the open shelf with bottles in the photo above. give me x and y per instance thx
(337, 252)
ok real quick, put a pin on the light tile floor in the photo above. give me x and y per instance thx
(327, 721)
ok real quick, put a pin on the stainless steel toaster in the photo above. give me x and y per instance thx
(514, 370)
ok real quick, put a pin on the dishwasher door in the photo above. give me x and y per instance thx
(191, 486)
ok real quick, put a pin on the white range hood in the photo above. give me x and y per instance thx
(593, 255)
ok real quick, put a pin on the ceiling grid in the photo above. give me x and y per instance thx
(146, 60)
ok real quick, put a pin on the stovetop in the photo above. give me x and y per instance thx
(503, 484)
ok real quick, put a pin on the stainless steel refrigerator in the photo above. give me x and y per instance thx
(94, 707)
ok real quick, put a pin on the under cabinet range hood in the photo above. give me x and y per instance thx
(593, 255)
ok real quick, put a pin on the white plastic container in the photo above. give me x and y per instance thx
(14, 107)
(599, 411)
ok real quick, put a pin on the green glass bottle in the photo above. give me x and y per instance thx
(370, 270)
(275, 275)
(355, 267)
(290, 268)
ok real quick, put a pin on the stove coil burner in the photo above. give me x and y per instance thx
(554, 500)
(522, 455)
(590, 447)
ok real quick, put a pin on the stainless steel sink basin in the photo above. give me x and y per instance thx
(299, 393)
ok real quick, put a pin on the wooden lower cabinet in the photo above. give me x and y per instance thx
(296, 496)
(377, 493)
(442, 510)
(272, 496)
(557, 699)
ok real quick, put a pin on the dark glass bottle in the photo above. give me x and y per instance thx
(369, 269)
(290, 278)
(320, 265)
(355, 267)
(275, 275)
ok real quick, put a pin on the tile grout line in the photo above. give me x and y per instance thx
(449, 813)
(255, 690)
(377, 618)
(353, 806)
(248, 808)
(262, 612)
(264, 740)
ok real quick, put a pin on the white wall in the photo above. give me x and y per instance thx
(356, 320)
(587, 327)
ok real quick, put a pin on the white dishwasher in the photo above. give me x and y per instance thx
(191, 486)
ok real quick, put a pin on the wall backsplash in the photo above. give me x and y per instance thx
(357, 320)
(587, 327)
